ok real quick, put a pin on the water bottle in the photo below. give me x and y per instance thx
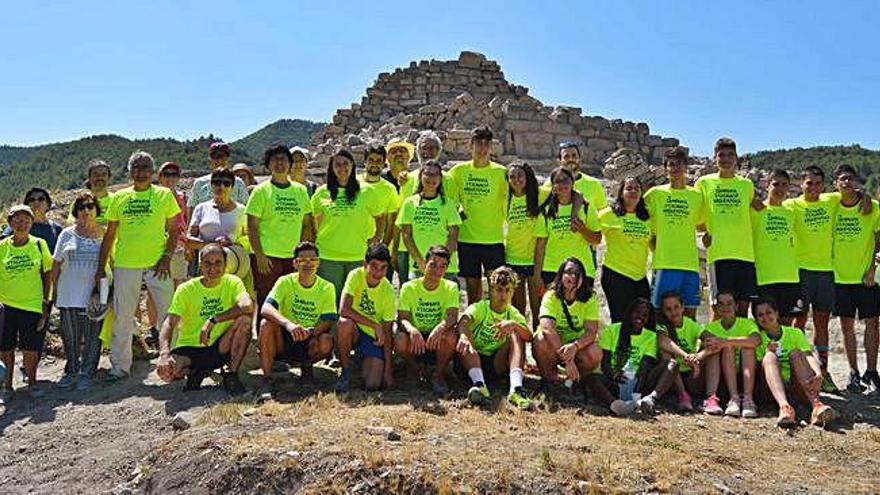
(628, 384)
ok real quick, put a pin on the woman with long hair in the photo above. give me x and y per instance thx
(523, 208)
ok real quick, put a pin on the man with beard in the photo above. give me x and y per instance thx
(98, 178)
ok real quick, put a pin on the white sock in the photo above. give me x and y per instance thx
(516, 379)
(476, 375)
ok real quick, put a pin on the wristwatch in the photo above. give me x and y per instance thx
(213, 320)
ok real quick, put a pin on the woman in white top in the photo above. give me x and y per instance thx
(220, 219)
(75, 262)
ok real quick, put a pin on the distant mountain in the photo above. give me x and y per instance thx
(865, 161)
(62, 165)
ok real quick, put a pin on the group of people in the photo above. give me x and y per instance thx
(311, 270)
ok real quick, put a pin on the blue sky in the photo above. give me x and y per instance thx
(770, 74)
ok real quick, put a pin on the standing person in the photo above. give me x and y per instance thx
(399, 154)
(346, 219)
(366, 319)
(169, 176)
(427, 316)
(856, 293)
(523, 209)
(730, 250)
(427, 219)
(208, 326)
(25, 286)
(298, 170)
(39, 201)
(73, 276)
(589, 187)
(382, 191)
(98, 176)
(676, 211)
(279, 216)
(560, 234)
(243, 171)
(219, 220)
(776, 265)
(218, 157)
(142, 229)
(481, 187)
(627, 230)
(297, 318)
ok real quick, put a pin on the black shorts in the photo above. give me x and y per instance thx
(292, 351)
(487, 364)
(736, 276)
(476, 259)
(851, 300)
(787, 296)
(817, 290)
(621, 290)
(524, 271)
(20, 331)
(203, 358)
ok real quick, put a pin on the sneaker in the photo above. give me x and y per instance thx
(733, 407)
(828, 385)
(194, 380)
(712, 406)
(646, 404)
(266, 391)
(343, 381)
(307, 373)
(478, 395)
(66, 381)
(113, 378)
(855, 382)
(84, 382)
(786, 417)
(334, 362)
(152, 337)
(822, 414)
(623, 407)
(518, 399)
(685, 404)
(749, 409)
(438, 385)
(871, 378)
(232, 383)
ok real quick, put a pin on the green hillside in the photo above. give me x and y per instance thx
(866, 161)
(292, 132)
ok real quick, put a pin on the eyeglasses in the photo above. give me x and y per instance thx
(221, 182)
(34, 199)
(88, 206)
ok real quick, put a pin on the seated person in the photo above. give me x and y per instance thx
(297, 317)
(213, 315)
(366, 318)
(492, 341)
(427, 315)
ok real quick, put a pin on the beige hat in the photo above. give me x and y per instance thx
(299, 149)
(237, 261)
(400, 142)
(17, 208)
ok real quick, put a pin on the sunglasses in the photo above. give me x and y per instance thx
(221, 182)
(34, 199)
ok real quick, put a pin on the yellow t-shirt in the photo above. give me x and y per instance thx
(580, 312)
(382, 192)
(742, 327)
(140, 237)
(562, 242)
(430, 220)
(344, 227)
(305, 306)
(412, 185)
(483, 317)
(814, 230)
(675, 214)
(519, 239)
(727, 203)
(21, 269)
(640, 345)
(195, 304)
(482, 193)
(374, 303)
(775, 250)
(281, 211)
(686, 338)
(590, 188)
(428, 308)
(791, 339)
(627, 242)
(853, 245)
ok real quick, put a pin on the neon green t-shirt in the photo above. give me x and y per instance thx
(687, 337)
(21, 269)
(374, 303)
(482, 193)
(641, 345)
(382, 192)
(675, 214)
(430, 220)
(281, 211)
(742, 327)
(483, 317)
(519, 239)
(853, 245)
(104, 203)
(412, 185)
(427, 308)
(195, 304)
(590, 188)
(773, 232)
(580, 312)
(140, 237)
(305, 306)
(791, 339)
(727, 203)
(344, 227)
(814, 230)
(627, 242)
(562, 242)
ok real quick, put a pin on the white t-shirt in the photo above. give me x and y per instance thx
(201, 191)
(213, 224)
(80, 262)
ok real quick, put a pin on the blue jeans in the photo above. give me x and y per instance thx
(82, 343)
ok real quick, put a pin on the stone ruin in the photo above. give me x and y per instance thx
(454, 96)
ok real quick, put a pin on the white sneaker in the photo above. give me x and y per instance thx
(733, 407)
(623, 408)
(749, 410)
(646, 404)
